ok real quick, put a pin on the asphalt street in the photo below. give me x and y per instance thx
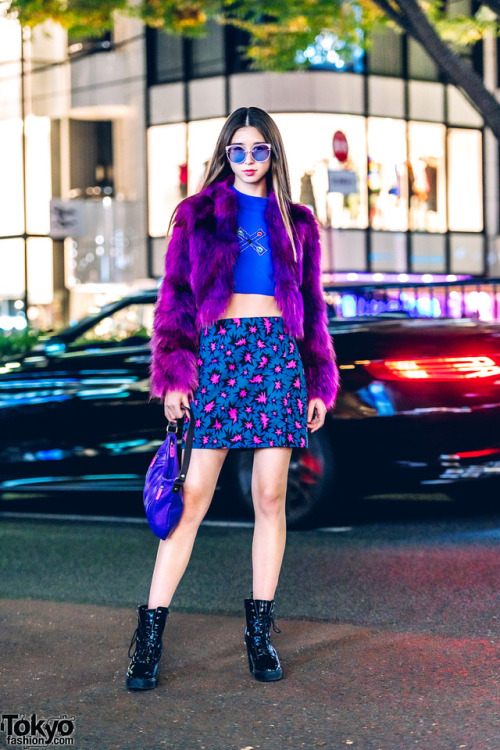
(390, 637)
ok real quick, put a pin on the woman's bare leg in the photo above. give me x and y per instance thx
(269, 482)
(174, 552)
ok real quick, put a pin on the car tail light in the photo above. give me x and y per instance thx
(478, 454)
(434, 368)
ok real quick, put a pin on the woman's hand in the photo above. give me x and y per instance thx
(316, 412)
(174, 401)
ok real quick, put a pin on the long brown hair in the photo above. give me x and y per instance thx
(278, 178)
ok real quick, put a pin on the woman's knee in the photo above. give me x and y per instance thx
(269, 501)
(196, 503)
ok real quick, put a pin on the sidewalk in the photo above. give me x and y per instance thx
(389, 639)
(344, 686)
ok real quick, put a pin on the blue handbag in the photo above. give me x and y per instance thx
(163, 487)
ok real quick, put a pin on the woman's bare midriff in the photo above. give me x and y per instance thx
(251, 306)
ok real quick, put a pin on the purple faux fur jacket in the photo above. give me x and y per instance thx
(198, 284)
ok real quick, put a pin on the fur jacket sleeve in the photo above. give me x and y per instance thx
(316, 346)
(174, 344)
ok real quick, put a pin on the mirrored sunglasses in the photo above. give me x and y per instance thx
(237, 154)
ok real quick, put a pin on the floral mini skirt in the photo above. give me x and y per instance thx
(252, 389)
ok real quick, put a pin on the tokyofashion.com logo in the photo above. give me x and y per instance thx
(33, 731)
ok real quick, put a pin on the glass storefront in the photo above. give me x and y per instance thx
(465, 180)
(167, 174)
(12, 261)
(10, 69)
(25, 193)
(202, 136)
(387, 174)
(406, 183)
(427, 177)
(104, 251)
(38, 183)
(11, 189)
(327, 162)
(16, 252)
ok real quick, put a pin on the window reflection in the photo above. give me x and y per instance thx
(465, 180)
(329, 178)
(128, 326)
(167, 174)
(11, 186)
(427, 177)
(202, 137)
(387, 174)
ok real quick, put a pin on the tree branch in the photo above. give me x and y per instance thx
(457, 71)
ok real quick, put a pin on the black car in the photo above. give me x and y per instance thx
(419, 407)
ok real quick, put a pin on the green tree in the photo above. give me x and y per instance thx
(278, 28)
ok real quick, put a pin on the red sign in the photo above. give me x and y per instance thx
(340, 146)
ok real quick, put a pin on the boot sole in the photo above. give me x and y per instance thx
(268, 676)
(135, 683)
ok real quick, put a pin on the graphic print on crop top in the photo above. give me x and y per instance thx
(253, 271)
(253, 241)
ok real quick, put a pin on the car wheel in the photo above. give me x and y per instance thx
(310, 481)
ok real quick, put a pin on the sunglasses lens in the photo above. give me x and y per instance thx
(236, 154)
(261, 152)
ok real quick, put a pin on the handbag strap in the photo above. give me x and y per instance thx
(187, 448)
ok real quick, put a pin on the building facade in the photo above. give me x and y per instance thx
(102, 139)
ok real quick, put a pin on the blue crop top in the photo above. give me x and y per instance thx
(253, 270)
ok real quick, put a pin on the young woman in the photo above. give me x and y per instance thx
(240, 336)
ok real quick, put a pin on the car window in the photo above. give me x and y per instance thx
(129, 325)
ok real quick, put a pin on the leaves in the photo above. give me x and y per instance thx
(463, 31)
(80, 17)
(288, 34)
(278, 29)
(91, 17)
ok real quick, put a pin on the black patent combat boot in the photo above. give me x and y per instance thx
(142, 673)
(262, 657)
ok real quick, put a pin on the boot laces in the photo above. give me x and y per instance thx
(262, 631)
(268, 620)
(132, 642)
(144, 647)
(275, 627)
